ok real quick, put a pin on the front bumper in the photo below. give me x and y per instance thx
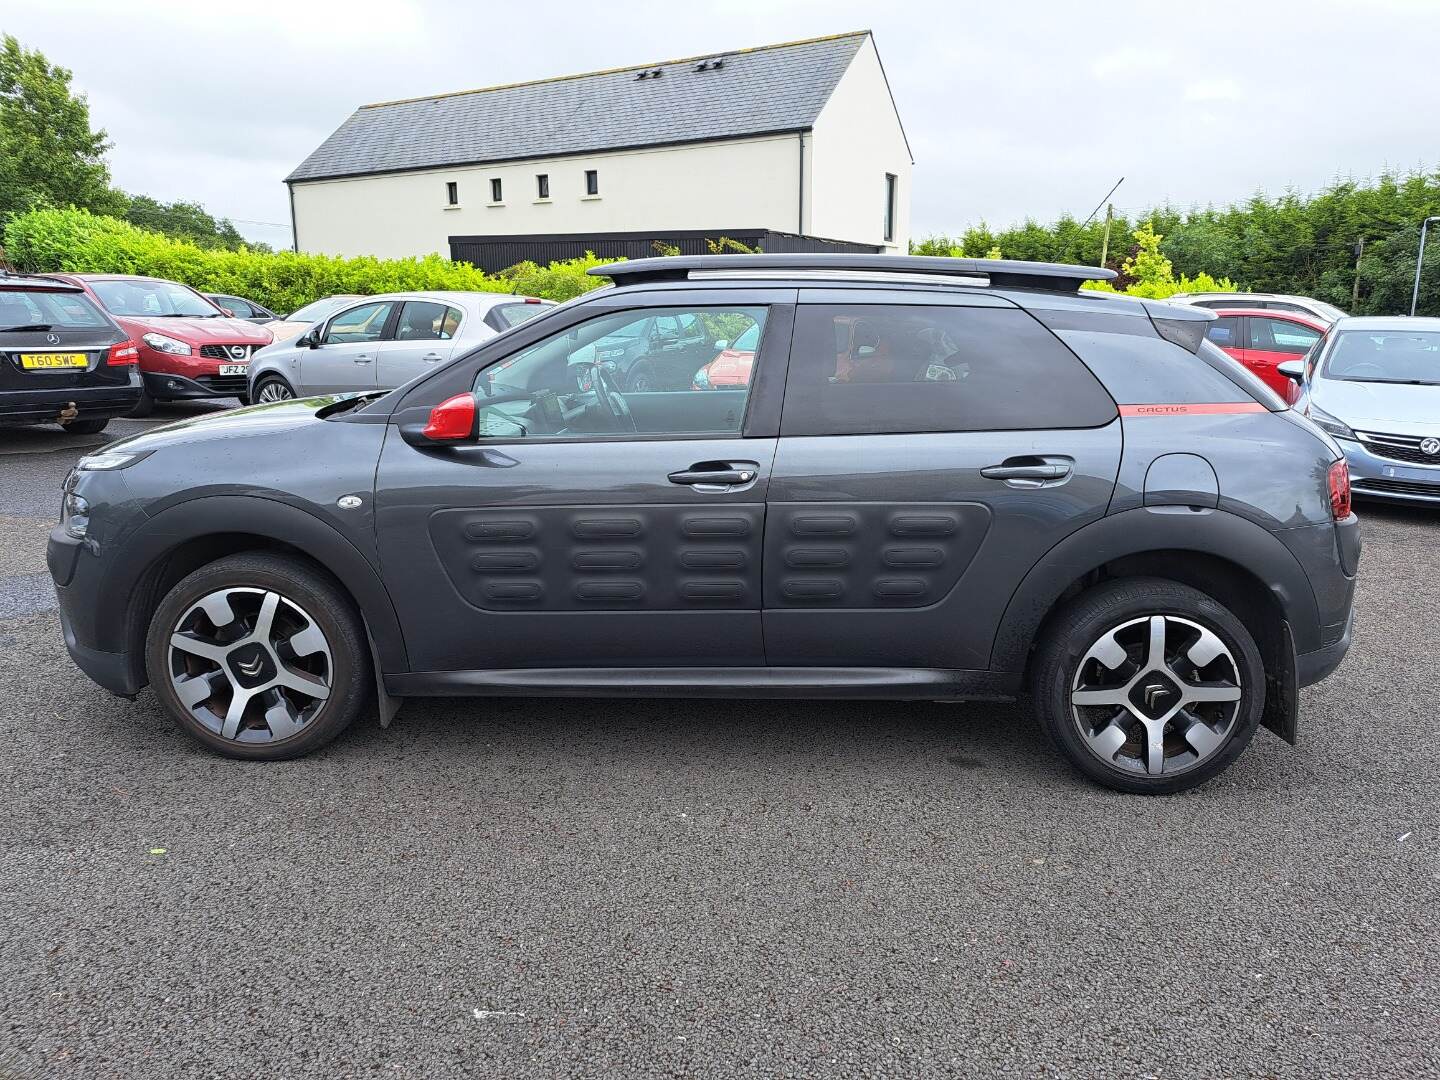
(67, 559)
(168, 387)
(1385, 478)
(45, 405)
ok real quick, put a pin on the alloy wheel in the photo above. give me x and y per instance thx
(274, 391)
(250, 664)
(1156, 695)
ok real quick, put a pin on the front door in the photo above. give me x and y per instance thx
(424, 337)
(932, 449)
(587, 525)
(1271, 340)
(349, 347)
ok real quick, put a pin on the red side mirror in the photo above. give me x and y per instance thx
(453, 420)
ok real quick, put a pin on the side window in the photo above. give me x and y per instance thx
(1225, 332)
(241, 309)
(1281, 335)
(422, 320)
(363, 323)
(613, 376)
(889, 369)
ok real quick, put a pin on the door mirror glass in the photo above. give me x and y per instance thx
(1292, 369)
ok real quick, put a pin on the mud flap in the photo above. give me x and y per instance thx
(386, 706)
(1282, 695)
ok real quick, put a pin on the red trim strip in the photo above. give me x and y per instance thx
(1208, 408)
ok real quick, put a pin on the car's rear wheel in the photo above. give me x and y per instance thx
(86, 427)
(272, 388)
(1148, 686)
(259, 656)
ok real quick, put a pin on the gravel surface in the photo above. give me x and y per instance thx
(527, 888)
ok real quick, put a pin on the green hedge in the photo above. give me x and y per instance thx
(81, 242)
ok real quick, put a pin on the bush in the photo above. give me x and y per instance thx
(81, 242)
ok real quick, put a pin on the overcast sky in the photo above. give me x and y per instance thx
(1013, 109)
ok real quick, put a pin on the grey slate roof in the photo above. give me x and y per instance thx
(768, 89)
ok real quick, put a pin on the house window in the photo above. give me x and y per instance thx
(497, 193)
(889, 207)
(452, 193)
(542, 186)
(592, 182)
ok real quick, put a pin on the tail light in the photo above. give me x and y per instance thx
(1340, 489)
(452, 420)
(124, 354)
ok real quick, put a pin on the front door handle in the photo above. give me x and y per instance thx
(716, 475)
(362, 359)
(432, 357)
(1031, 471)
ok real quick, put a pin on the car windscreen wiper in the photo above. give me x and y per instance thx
(27, 326)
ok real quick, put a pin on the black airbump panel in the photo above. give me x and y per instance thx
(868, 555)
(596, 558)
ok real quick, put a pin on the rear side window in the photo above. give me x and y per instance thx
(1225, 332)
(870, 369)
(504, 316)
(48, 310)
(424, 320)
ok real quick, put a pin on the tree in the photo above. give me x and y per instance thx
(185, 220)
(49, 154)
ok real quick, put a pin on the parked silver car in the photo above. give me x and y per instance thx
(379, 342)
(1303, 305)
(1374, 384)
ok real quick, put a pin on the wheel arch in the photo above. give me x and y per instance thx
(1239, 563)
(191, 534)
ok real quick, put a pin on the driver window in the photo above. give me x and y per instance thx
(612, 376)
(363, 323)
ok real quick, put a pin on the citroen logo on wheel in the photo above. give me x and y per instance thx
(1154, 692)
(1430, 446)
(252, 668)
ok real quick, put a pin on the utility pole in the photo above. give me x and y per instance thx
(1355, 292)
(1415, 295)
(1105, 246)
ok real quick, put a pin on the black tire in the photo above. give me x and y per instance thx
(244, 399)
(351, 679)
(276, 385)
(1093, 616)
(144, 407)
(86, 427)
(641, 380)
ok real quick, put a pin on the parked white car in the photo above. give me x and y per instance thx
(379, 342)
(1303, 305)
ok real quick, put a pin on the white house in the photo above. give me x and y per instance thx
(796, 147)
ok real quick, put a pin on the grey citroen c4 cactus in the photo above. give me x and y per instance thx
(939, 479)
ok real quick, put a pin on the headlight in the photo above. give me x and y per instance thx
(161, 343)
(76, 515)
(108, 460)
(1330, 424)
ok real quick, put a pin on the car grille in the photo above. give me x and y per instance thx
(1397, 447)
(226, 385)
(222, 352)
(1396, 487)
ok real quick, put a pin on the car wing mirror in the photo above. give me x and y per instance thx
(721, 345)
(1292, 369)
(459, 420)
(228, 313)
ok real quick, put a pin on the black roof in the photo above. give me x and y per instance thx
(1012, 273)
(38, 281)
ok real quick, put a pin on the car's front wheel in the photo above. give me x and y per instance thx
(272, 388)
(86, 427)
(259, 656)
(1148, 686)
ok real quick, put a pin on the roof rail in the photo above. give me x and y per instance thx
(1008, 273)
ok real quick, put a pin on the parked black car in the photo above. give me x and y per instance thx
(62, 359)
(241, 308)
(662, 352)
(945, 479)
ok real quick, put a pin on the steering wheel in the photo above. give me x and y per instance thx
(1362, 369)
(615, 403)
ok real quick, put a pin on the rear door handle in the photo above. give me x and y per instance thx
(363, 359)
(432, 357)
(1031, 472)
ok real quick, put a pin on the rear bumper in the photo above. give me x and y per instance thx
(44, 405)
(1382, 478)
(1311, 667)
(168, 387)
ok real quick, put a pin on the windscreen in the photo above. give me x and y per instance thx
(1386, 356)
(153, 300)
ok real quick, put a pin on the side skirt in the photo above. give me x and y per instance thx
(751, 682)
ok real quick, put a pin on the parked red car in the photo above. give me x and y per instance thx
(189, 347)
(731, 367)
(1262, 340)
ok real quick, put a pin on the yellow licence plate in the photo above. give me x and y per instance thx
(34, 361)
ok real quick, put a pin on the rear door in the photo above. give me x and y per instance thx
(1270, 341)
(587, 525)
(424, 336)
(933, 448)
(349, 347)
